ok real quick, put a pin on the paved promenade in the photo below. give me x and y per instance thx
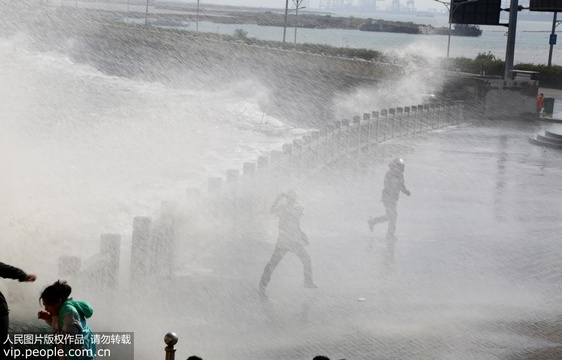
(475, 272)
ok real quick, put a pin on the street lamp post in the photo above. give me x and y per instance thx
(552, 41)
(285, 23)
(146, 14)
(511, 33)
(297, 7)
(197, 18)
(451, 9)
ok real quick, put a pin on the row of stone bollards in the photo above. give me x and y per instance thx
(100, 270)
(240, 198)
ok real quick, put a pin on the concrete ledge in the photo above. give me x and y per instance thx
(551, 138)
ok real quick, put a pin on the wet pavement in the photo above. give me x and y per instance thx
(475, 272)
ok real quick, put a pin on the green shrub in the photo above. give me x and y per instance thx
(483, 63)
(548, 76)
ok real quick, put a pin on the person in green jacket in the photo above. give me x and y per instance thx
(68, 317)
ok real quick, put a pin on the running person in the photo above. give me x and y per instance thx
(393, 185)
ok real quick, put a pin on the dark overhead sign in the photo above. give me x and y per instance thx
(481, 12)
(546, 5)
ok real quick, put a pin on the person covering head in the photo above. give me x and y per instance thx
(291, 239)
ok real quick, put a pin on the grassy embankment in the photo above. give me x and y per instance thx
(549, 76)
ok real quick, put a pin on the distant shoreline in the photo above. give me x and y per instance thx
(308, 20)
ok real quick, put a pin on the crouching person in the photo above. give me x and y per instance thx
(68, 317)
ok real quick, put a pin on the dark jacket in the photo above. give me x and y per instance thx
(393, 185)
(9, 272)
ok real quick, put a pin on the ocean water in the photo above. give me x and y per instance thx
(532, 40)
(531, 45)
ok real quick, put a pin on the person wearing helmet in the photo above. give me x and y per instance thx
(393, 185)
(291, 239)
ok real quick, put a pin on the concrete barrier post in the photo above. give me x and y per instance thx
(249, 189)
(263, 179)
(316, 140)
(446, 118)
(452, 114)
(110, 246)
(421, 114)
(426, 118)
(437, 115)
(414, 119)
(375, 127)
(276, 170)
(384, 124)
(140, 244)
(400, 121)
(407, 120)
(392, 117)
(366, 131)
(232, 199)
(356, 133)
(331, 135)
(287, 159)
(346, 137)
(263, 163)
(356, 139)
(307, 163)
(440, 114)
(323, 146)
(447, 113)
(163, 242)
(434, 117)
(298, 157)
(338, 144)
